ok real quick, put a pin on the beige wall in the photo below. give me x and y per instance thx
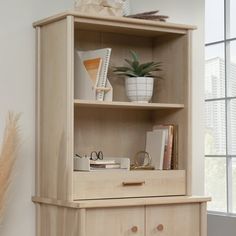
(17, 90)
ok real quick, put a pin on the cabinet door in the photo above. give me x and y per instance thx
(115, 221)
(173, 220)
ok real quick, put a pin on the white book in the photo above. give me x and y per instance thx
(155, 146)
(104, 54)
(102, 162)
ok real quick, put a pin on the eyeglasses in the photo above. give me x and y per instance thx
(96, 155)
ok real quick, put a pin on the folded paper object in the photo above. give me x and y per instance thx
(100, 7)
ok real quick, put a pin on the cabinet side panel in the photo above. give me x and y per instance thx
(175, 53)
(55, 110)
(57, 221)
(203, 219)
(172, 52)
(37, 112)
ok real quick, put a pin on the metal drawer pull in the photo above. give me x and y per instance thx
(137, 183)
(134, 229)
(160, 227)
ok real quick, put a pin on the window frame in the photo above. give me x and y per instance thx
(229, 158)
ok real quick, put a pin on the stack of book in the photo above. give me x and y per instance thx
(104, 165)
(117, 163)
(162, 146)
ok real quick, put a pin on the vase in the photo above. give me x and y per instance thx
(139, 89)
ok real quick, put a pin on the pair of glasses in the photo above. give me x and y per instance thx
(94, 156)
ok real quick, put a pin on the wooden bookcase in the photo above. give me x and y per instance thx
(68, 202)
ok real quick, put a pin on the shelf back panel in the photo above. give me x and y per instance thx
(171, 51)
(116, 132)
(121, 46)
(122, 132)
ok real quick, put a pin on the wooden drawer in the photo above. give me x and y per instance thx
(173, 220)
(91, 185)
(115, 222)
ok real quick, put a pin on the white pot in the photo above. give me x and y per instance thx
(139, 89)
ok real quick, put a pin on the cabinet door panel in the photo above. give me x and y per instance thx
(115, 222)
(173, 220)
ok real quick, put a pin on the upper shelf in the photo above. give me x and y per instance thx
(119, 24)
(126, 105)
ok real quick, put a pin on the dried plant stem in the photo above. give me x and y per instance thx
(8, 157)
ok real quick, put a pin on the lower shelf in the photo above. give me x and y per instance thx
(125, 184)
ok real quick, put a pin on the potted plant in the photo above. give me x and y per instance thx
(139, 80)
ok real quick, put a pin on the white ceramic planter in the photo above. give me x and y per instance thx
(139, 89)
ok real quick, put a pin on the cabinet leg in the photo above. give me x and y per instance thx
(82, 222)
(203, 219)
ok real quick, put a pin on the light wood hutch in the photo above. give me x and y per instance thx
(73, 203)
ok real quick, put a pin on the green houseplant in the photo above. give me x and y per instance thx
(139, 78)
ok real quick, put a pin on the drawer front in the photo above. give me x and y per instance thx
(119, 184)
(115, 222)
(173, 220)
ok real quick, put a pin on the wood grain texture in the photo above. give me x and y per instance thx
(55, 110)
(103, 203)
(175, 53)
(188, 161)
(172, 51)
(118, 22)
(117, 132)
(203, 219)
(58, 221)
(66, 126)
(125, 105)
(37, 111)
(170, 218)
(115, 222)
(177, 220)
(105, 184)
(37, 218)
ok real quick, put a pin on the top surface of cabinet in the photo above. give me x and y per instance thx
(119, 24)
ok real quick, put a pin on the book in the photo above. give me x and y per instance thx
(168, 129)
(93, 67)
(104, 54)
(102, 162)
(174, 158)
(155, 146)
(105, 166)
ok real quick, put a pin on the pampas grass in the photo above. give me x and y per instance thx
(8, 157)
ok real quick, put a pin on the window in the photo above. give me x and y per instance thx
(220, 105)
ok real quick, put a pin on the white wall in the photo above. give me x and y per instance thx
(188, 12)
(17, 93)
(17, 90)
